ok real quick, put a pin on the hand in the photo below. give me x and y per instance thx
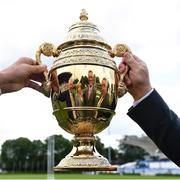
(24, 73)
(137, 78)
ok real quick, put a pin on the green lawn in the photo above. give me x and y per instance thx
(82, 176)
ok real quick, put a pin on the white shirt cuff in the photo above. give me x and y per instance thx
(141, 99)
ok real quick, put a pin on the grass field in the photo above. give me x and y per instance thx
(83, 176)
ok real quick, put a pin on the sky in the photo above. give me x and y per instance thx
(151, 28)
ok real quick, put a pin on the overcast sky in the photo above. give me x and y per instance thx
(151, 28)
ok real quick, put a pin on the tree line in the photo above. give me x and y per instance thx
(24, 155)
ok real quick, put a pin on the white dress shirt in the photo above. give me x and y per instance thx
(141, 99)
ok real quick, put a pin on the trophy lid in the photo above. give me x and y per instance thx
(84, 32)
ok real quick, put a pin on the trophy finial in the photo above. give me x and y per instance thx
(83, 15)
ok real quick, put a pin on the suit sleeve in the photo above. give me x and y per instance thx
(160, 123)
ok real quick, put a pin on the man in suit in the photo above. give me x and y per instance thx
(89, 95)
(104, 99)
(68, 96)
(90, 91)
(149, 110)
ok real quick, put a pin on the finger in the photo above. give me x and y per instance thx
(122, 67)
(35, 86)
(38, 69)
(137, 58)
(140, 62)
(26, 60)
(130, 60)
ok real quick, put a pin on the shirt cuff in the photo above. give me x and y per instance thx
(141, 99)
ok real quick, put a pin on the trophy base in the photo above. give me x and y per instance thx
(60, 169)
(84, 157)
(93, 163)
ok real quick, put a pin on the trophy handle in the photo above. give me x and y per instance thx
(119, 50)
(48, 50)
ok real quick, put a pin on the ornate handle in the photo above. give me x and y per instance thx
(119, 51)
(46, 49)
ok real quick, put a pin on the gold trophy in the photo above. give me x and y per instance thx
(84, 85)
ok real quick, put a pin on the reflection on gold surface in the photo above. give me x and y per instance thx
(89, 90)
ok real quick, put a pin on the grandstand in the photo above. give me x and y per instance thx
(154, 164)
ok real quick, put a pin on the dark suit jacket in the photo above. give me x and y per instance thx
(92, 99)
(65, 96)
(104, 104)
(160, 123)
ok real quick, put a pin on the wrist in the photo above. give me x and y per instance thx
(5, 77)
(4, 81)
(2, 78)
(141, 93)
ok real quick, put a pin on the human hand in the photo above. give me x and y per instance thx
(137, 78)
(23, 73)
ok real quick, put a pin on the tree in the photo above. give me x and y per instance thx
(107, 151)
(75, 81)
(99, 146)
(97, 80)
(62, 148)
(15, 154)
(38, 157)
(23, 155)
(113, 153)
(84, 81)
(129, 153)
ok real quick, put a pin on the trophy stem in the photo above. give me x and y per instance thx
(84, 156)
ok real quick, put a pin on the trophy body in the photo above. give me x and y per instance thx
(84, 85)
